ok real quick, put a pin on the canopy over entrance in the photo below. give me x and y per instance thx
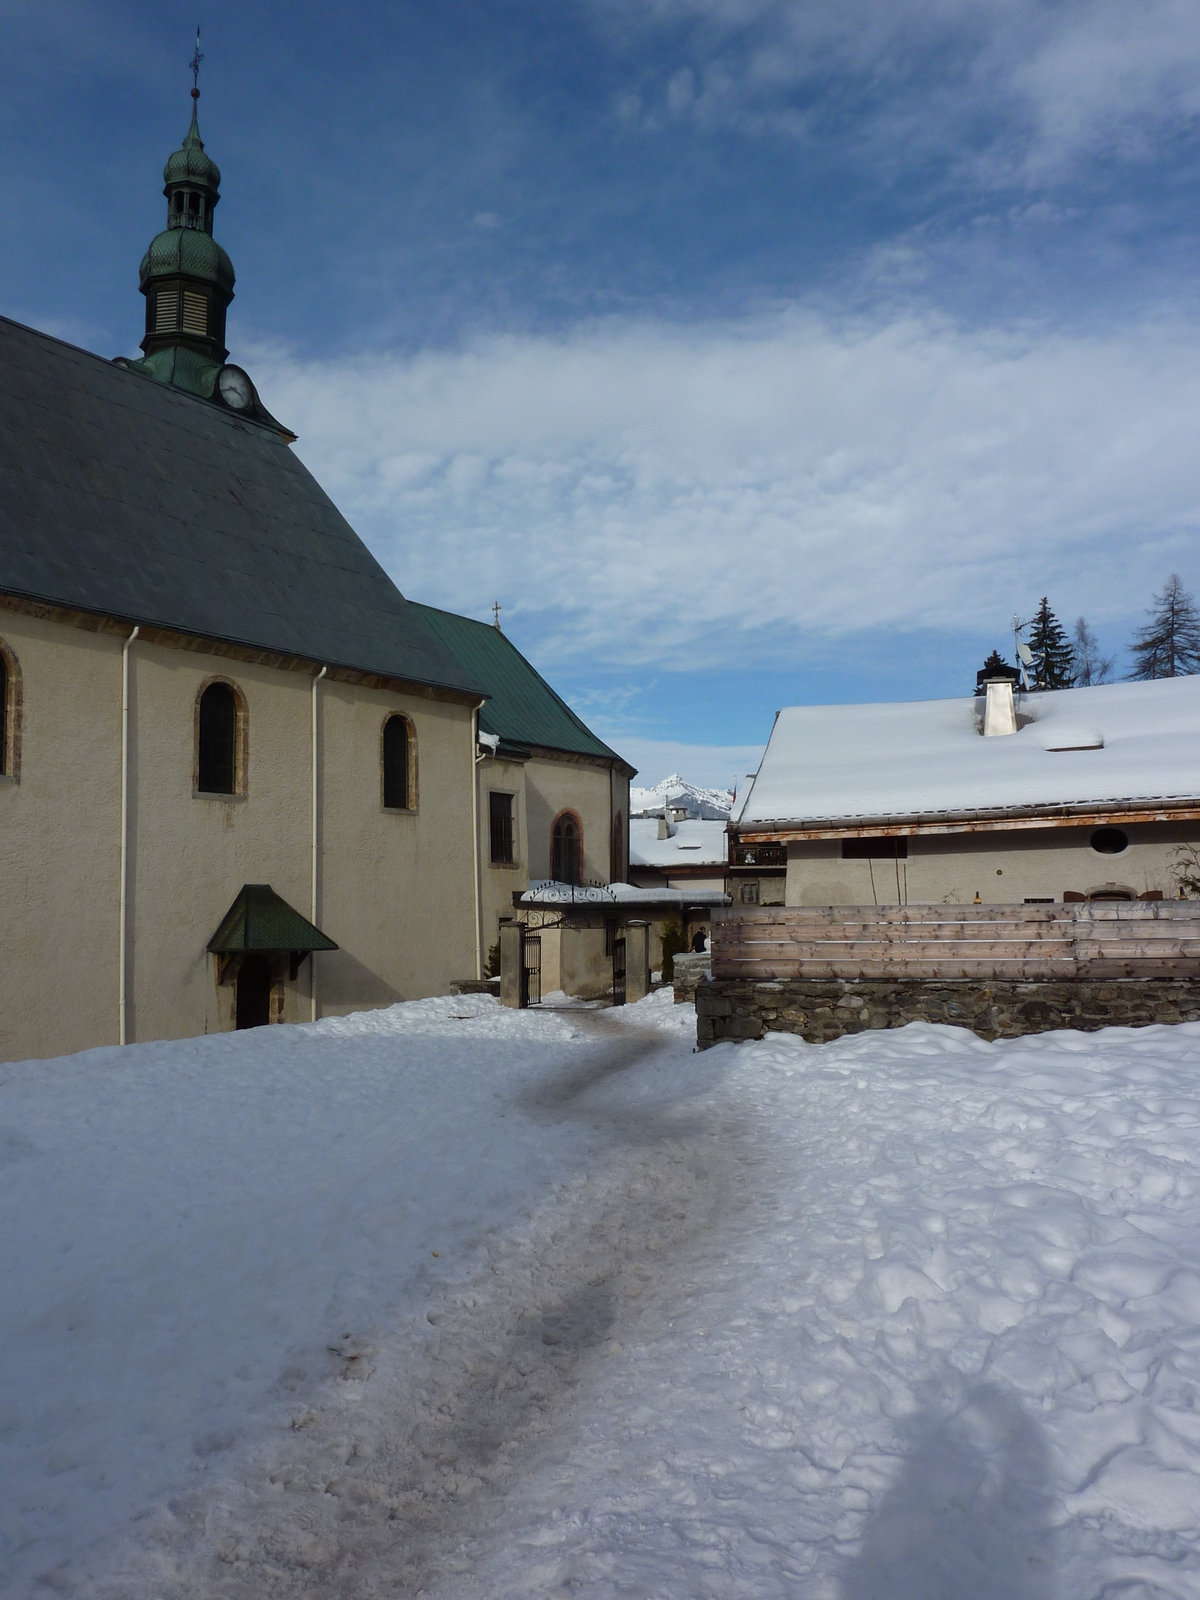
(261, 920)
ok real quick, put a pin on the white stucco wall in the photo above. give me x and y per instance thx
(394, 890)
(1003, 867)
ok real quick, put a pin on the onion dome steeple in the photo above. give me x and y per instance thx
(185, 275)
(187, 280)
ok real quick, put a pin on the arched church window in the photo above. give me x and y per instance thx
(217, 741)
(10, 714)
(616, 865)
(566, 848)
(397, 765)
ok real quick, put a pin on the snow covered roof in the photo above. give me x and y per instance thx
(549, 893)
(925, 759)
(691, 844)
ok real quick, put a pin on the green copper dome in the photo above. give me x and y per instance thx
(187, 252)
(190, 164)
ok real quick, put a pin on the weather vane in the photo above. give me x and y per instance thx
(194, 63)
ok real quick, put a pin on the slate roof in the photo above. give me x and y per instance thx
(124, 497)
(523, 709)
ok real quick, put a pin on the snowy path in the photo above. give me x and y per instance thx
(908, 1315)
(393, 1495)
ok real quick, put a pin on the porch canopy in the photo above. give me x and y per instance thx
(262, 921)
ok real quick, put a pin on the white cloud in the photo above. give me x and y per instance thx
(756, 492)
(1029, 88)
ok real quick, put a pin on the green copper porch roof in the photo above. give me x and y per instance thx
(522, 709)
(259, 919)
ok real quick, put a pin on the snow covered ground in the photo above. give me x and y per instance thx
(461, 1301)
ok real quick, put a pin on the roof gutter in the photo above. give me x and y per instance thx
(312, 960)
(124, 906)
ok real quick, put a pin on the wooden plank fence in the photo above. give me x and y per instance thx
(1098, 939)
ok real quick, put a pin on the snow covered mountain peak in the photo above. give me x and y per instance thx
(712, 805)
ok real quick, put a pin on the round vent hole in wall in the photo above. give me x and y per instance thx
(1109, 841)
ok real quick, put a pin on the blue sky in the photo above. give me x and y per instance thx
(749, 352)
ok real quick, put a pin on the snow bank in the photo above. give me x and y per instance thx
(909, 1314)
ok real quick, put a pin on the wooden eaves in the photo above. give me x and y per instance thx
(994, 820)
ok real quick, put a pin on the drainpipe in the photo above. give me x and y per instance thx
(312, 957)
(475, 839)
(124, 830)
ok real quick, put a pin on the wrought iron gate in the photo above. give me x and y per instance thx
(618, 972)
(531, 968)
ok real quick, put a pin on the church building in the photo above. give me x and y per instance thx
(239, 771)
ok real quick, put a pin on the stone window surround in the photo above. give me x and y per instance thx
(568, 811)
(241, 748)
(10, 732)
(515, 865)
(412, 807)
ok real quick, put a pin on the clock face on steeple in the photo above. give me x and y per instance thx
(235, 388)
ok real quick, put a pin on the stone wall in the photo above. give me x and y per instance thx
(691, 968)
(821, 1009)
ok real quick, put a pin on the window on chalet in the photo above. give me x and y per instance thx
(217, 728)
(397, 764)
(1110, 841)
(500, 819)
(566, 849)
(874, 849)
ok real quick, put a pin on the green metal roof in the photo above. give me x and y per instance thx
(190, 253)
(260, 920)
(522, 709)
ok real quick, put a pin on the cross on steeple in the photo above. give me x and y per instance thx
(496, 616)
(194, 63)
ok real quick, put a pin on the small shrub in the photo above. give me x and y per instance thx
(492, 969)
(1186, 871)
(674, 943)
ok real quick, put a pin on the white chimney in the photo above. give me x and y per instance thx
(664, 827)
(999, 713)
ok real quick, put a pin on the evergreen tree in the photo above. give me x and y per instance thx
(1090, 666)
(1056, 659)
(1169, 645)
(994, 667)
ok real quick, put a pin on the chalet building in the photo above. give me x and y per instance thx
(240, 774)
(1073, 795)
(688, 856)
